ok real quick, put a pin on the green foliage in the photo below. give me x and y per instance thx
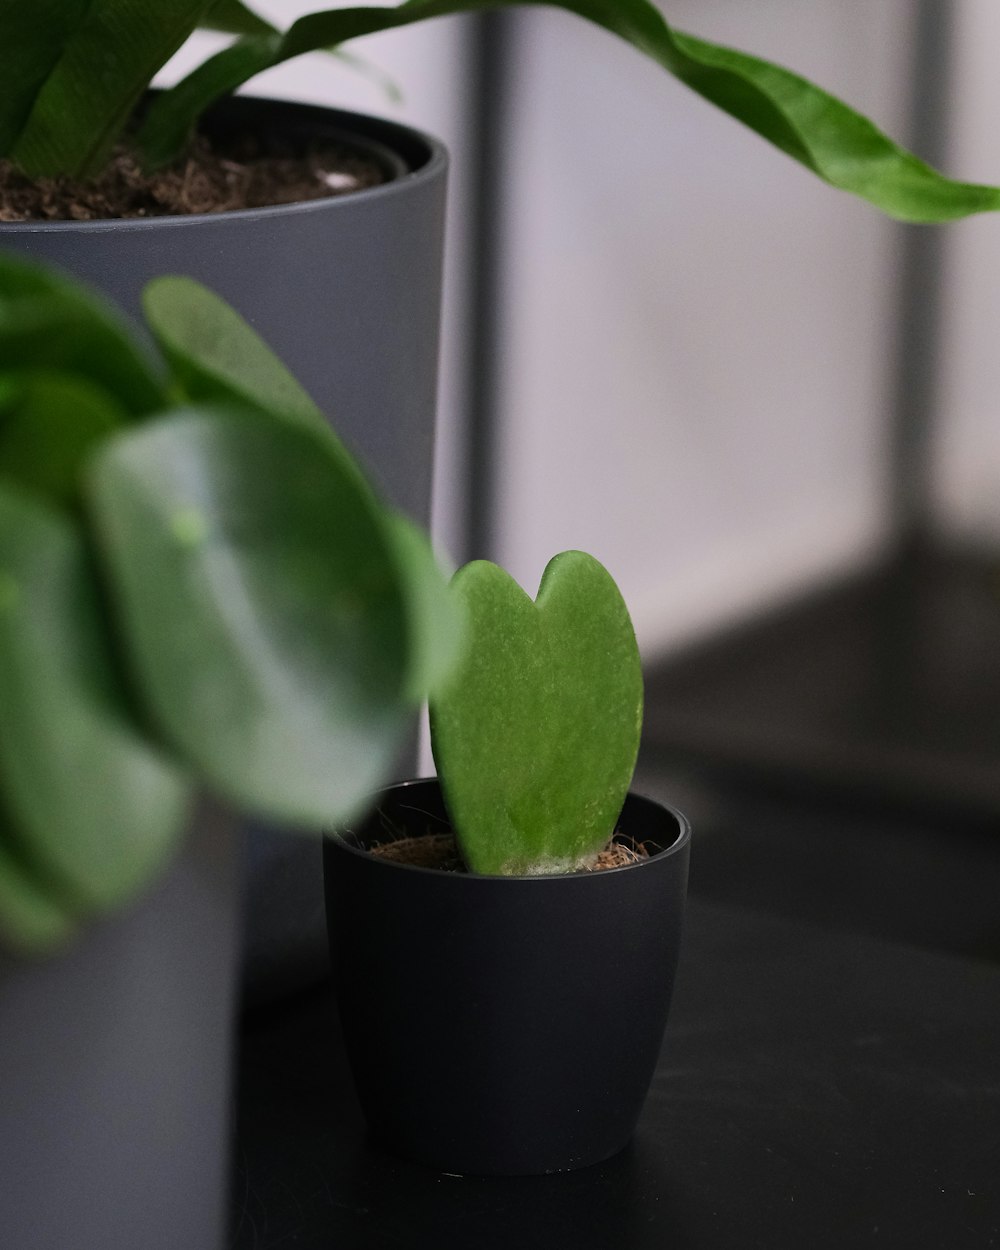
(216, 357)
(95, 806)
(535, 734)
(73, 71)
(195, 589)
(265, 620)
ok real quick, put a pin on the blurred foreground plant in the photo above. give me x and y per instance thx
(198, 588)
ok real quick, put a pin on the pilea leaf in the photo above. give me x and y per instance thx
(262, 605)
(216, 356)
(535, 735)
(48, 424)
(33, 918)
(97, 809)
(49, 323)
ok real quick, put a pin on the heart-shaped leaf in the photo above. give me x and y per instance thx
(536, 733)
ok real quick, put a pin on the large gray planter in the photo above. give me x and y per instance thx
(347, 291)
(115, 1070)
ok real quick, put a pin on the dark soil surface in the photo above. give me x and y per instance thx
(213, 177)
(439, 850)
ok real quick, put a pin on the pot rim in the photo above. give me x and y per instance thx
(337, 838)
(390, 134)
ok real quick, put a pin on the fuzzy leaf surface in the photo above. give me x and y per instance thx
(536, 733)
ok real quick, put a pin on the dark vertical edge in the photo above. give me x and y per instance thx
(490, 41)
(900, 606)
(916, 395)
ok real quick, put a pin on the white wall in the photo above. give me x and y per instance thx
(697, 332)
(968, 445)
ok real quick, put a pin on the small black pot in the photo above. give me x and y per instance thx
(503, 1025)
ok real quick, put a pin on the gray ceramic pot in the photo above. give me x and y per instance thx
(347, 291)
(116, 1069)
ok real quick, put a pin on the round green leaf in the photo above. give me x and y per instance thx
(436, 619)
(96, 809)
(52, 324)
(33, 920)
(262, 606)
(48, 424)
(536, 733)
(216, 355)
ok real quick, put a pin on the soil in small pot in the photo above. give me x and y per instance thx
(440, 851)
(214, 176)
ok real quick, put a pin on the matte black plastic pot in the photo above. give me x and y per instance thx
(503, 1025)
(347, 291)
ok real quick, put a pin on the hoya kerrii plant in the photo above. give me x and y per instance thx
(73, 71)
(535, 732)
(199, 590)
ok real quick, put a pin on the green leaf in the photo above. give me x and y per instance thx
(50, 324)
(31, 920)
(231, 17)
(811, 126)
(262, 604)
(217, 357)
(32, 37)
(97, 809)
(49, 422)
(234, 18)
(106, 61)
(535, 734)
(435, 617)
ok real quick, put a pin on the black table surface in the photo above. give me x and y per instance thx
(816, 1089)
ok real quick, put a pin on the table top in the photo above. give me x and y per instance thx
(816, 1089)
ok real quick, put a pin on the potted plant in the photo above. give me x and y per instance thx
(204, 607)
(346, 286)
(75, 89)
(71, 75)
(347, 289)
(504, 940)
